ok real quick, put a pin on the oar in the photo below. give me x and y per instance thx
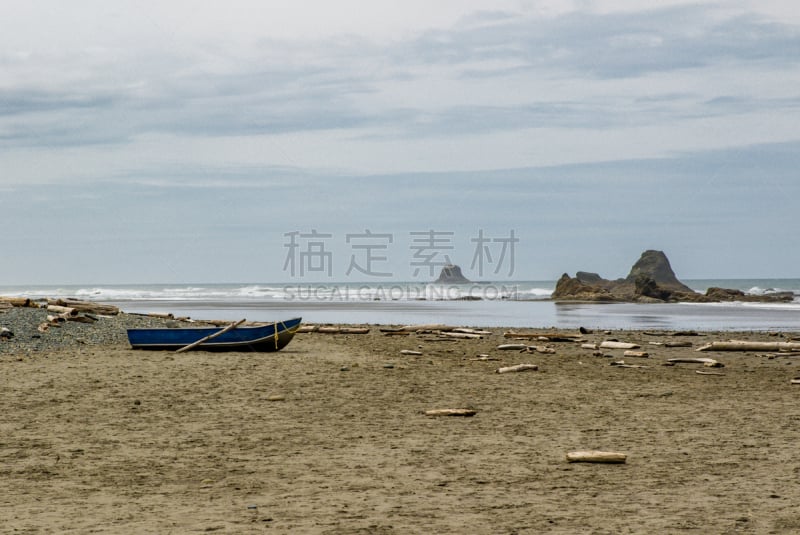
(210, 336)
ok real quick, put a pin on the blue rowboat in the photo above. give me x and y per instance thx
(266, 337)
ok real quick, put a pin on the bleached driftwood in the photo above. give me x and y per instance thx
(162, 315)
(210, 336)
(308, 329)
(85, 306)
(637, 354)
(707, 362)
(471, 331)
(451, 412)
(451, 334)
(331, 329)
(795, 382)
(517, 368)
(613, 457)
(544, 336)
(612, 344)
(62, 310)
(410, 352)
(512, 347)
(701, 372)
(16, 301)
(745, 345)
(589, 346)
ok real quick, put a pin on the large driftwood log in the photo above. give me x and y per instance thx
(613, 457)
(86, 306)
(210, 336)
(612, 344)
(62, 310)
(745, 345)
(517, 368)
(16, 301)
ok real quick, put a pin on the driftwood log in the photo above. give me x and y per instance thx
(613, 457)
(410, 352)
(745, 345)
(517, 368)
(453, 334)
(62, 310)
(544, 336)
(613, 344)
(16, 301)
(637, 354)
(86, 306)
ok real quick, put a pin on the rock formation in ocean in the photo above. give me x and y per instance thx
(651, 280)
(451, 274)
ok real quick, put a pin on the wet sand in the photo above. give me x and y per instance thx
(329, 436)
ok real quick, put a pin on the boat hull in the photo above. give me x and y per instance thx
(261, 338)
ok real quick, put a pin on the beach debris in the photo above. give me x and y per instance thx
(18, 302)
(613, 344)
(342, 330)
(610, 457)
(6, 333)
(745, 345)
(707, 362)
(308, 328)
(584, 330)
(451, 412)
(4, 306)
(210, 336)
(453, 334)
(622, 364)
(703, 372)
(410, 352)
(43, 327)
(636, 354)
(517, 368)
(466, 330)
(276, 397)
(589, 346)
(543, 336)
(512, 347)
(484, 357)
(795, 381)
(84, 306)
(684, 343)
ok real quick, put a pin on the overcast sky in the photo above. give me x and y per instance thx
(186, 141)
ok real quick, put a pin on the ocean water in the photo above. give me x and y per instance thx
(492, 304)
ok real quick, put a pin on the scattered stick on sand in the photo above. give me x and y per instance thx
(517, 368)
(611, 457)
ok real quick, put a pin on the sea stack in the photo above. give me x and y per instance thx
(451, 274)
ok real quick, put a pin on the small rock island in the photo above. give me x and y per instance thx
(451, 274)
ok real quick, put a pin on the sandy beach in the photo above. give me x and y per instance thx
(330, 436)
